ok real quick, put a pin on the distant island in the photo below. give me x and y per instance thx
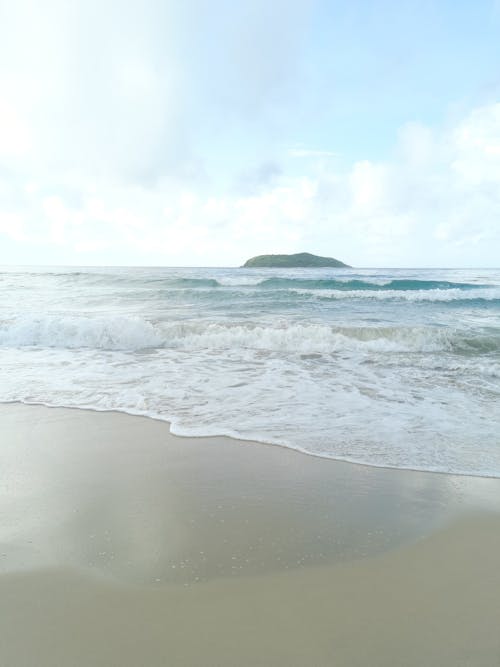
(301, 259)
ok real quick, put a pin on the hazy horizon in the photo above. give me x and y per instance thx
(240, 266)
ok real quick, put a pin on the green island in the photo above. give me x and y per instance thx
(301, 259)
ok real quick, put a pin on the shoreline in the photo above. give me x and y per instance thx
(121, 543)
(241, 439)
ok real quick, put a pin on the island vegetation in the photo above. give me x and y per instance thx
(301, 259)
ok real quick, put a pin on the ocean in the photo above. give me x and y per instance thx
(386, 367)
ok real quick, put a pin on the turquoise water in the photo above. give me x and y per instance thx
(387, 367)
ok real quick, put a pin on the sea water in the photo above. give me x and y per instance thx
(385, 367)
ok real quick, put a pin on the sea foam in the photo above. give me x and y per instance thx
(135, 333)
(393, 368)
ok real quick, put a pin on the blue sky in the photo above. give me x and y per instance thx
(199, 133)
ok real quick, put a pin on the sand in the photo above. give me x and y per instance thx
(121, 544)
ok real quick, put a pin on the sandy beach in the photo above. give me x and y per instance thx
(121, 544)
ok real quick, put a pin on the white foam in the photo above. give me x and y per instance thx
(135, 333)
(388, 382)
(111, 333)
(389, 414)
(439, 295)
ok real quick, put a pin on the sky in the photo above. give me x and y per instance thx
(201, 133)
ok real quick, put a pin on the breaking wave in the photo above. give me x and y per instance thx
(135, 333)
(105, 333)
(363, 285)
(387, 367)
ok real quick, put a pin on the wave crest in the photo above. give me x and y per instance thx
(134, 333)
(106, 333)
(364, 285)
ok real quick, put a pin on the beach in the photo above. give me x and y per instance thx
(122, 544)
(249, 334)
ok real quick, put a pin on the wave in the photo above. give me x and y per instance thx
(148, 282)
(192, 282)
(244, 281)
(487, 296)
(135, 333)
(364, 285)
(103, 279)
(323, 339)
(104, 333)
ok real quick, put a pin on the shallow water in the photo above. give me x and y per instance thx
(388, 367)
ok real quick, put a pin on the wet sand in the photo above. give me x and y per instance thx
(121, 544)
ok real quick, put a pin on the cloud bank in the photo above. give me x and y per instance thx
(156, 133)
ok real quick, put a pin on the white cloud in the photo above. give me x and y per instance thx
(311, 153)
(115, 92)
(476, 142)
(15, 136)
(12, 226)
(436, 202)
(369, 187)
(114, 126)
